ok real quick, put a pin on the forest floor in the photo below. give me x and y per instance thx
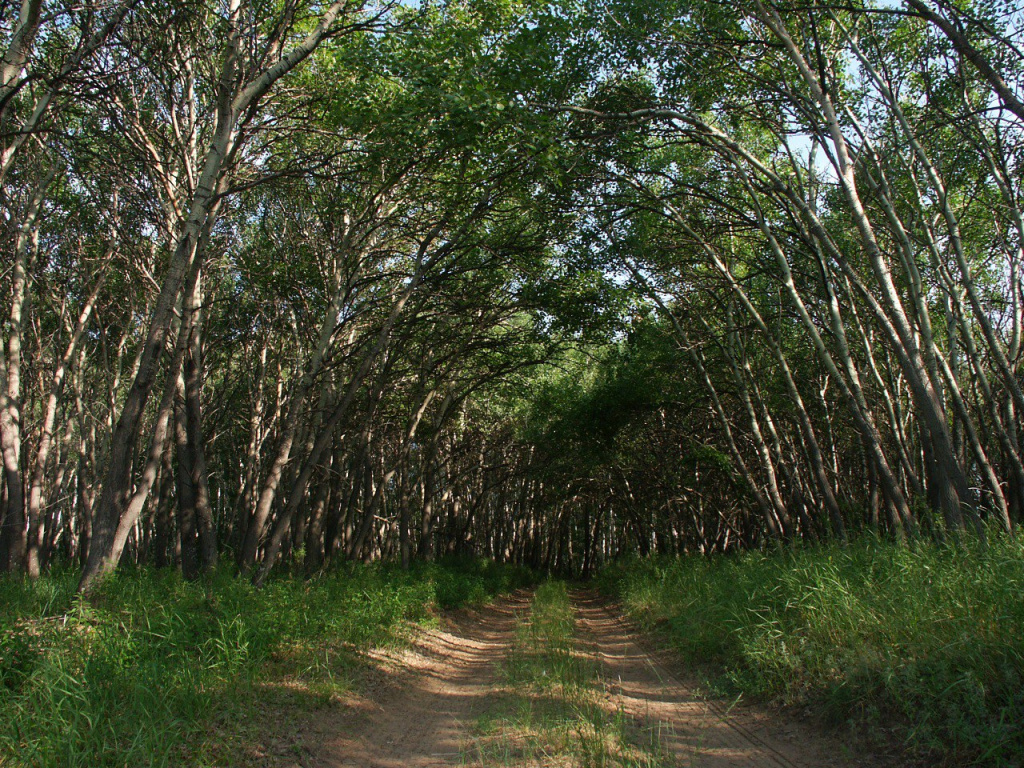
(433, 704)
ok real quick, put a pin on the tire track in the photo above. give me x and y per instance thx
(685, 727)
(448, 678)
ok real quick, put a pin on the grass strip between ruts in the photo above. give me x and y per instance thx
(552, 711)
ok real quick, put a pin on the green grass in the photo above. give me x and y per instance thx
(154, 671)
(926, 644)
(551, 711)
(544, 655)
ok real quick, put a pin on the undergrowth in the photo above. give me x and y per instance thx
(924, 644)
(142, 672)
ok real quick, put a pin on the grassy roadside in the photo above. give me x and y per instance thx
(925, 645)
(153, 671)
(552, 712)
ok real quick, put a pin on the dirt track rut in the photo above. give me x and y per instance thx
(422, 715)
(698, 732)
(445, 679)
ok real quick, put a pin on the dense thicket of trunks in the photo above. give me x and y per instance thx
(312, 281)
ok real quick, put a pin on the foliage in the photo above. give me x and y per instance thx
(930, 638)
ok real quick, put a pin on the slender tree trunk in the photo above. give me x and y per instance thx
(13, 534)
(234, 100)
(42, 456)
(191, 389)
(948, 476)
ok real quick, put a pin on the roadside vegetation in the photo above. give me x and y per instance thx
(552, 711)
(922, 644)
(156, 671)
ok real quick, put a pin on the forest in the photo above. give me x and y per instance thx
(290, 286)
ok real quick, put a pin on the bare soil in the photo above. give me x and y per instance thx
(420, 705)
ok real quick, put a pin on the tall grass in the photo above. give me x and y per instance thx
(136, 675)
(927, 639)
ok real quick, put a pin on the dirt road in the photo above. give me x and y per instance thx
(423, 712)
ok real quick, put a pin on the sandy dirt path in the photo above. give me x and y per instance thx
(435, 690)
(688, 728)
(421, 704)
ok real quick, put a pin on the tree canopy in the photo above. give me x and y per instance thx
(296, 282)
